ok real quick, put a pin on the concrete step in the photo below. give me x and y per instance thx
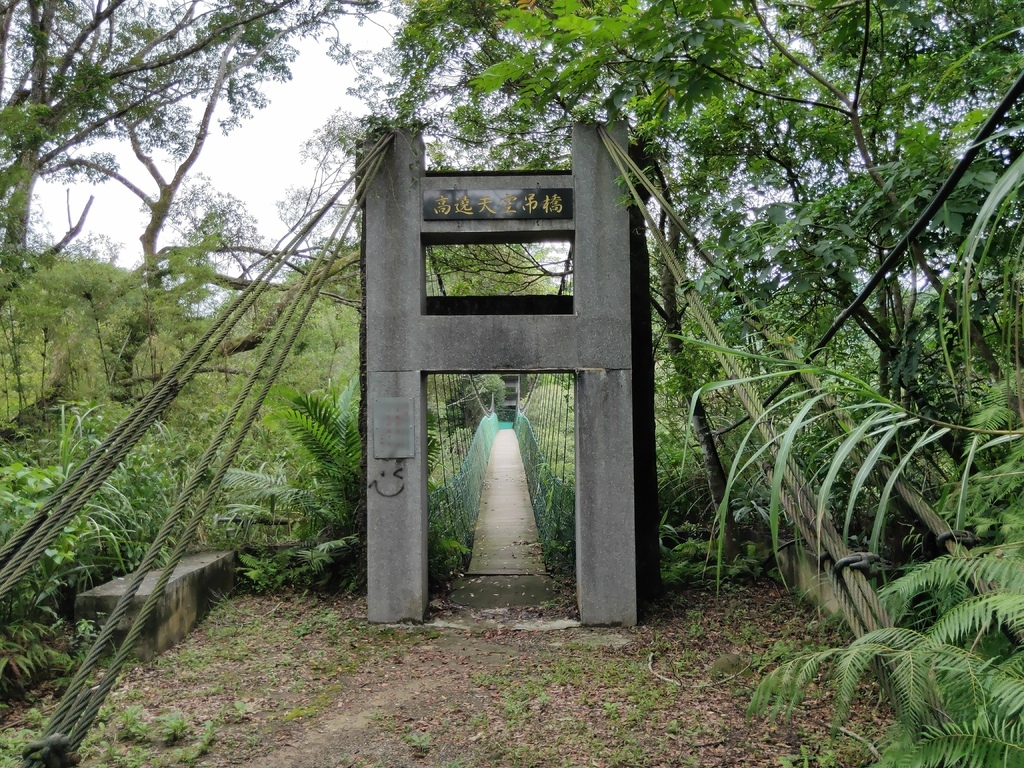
(198, 583)
(502, 591)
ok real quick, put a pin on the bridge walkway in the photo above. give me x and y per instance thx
(506, 569)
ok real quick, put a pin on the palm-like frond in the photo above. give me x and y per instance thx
(949, 576)
(325, 553)
(991, 742)
(326, 425)
(265, 488)
(327, 428)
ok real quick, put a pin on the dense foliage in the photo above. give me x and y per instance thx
(787, 147)
(87, 327)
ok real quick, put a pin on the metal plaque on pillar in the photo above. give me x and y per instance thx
(393, 433)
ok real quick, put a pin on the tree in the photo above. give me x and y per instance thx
(75, 73)
(810, 132)
(159, 78)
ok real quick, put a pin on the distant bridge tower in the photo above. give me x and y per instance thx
(513, 391)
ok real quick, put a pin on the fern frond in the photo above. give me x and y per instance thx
(854, 664)
(783, 689)
(952, 575)
(993, 410)
(1005, 695)
(989, 743)
(980, 614)
(908, 658)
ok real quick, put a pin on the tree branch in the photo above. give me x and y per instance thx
(768, 94)
(79, 136)
(211, 104)
(146, 160)
(339, 299)
(205, 369)
(201, 43)
(5, 34)
(813, 74)
(110, 173)
(74, 230)
(99, 16)
(863, 55)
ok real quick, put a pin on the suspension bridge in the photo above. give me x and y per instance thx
(514, 521)
(580, 480)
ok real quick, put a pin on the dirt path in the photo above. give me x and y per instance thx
(304, 682)
(398, 713)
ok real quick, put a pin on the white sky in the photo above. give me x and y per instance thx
(256, 162)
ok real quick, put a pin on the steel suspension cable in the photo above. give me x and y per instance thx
(440, 428)
(568, 429)
(560, 444)
(452, 426)
(545, 416)
(97, 694)
(563, 424)
(937, 201)
(479, 401)
(523, 404)
(861, 604)
(52, 515)
(558, 432)
(23, 550)
(451, 400)
(88, 701)
(458, 382)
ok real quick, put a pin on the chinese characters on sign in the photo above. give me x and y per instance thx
(469, 204)
(393, 428)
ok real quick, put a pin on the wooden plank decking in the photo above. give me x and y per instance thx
(506, 568)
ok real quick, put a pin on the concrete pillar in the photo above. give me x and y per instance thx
(403, 342)
(605, 548)
(396, 535)
(396, 504)
(605, 523)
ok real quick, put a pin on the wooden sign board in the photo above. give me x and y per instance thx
(473, 204)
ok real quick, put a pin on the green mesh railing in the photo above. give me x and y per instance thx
(452, 508)
(553, 500)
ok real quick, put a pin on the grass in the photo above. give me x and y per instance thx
(292, 648)
(262, 671)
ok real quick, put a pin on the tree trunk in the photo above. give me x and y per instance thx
(716, 480)
(668, 293)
